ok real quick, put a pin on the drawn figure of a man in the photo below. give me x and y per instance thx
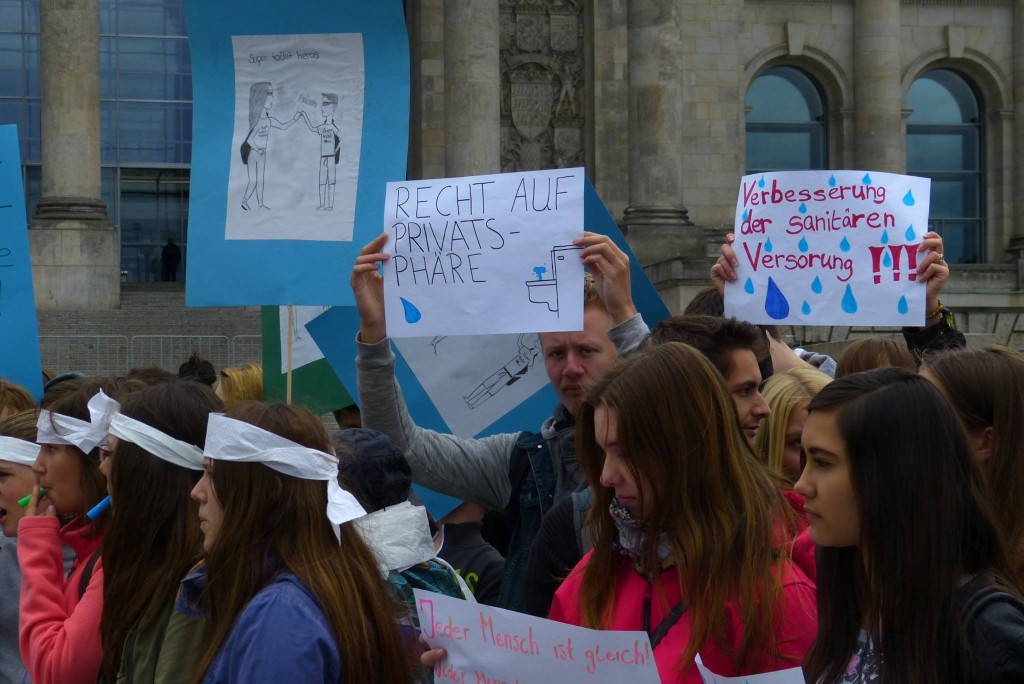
(254, 147)
(330, 149)
(508, 374)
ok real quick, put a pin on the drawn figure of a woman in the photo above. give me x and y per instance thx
(254, 148)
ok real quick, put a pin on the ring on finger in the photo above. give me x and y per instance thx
(941, 259)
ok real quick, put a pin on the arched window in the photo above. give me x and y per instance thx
(944, 142)
(785, 122)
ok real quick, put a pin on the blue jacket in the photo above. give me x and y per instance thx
(282, 635)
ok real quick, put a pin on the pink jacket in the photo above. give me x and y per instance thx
(59, 633)
(796, 631)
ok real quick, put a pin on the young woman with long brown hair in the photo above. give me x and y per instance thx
(153, 539)
(289, 596)
(692, 531)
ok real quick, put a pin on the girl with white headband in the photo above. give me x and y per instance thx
(153, 538)
(60, 616)
(288, 596)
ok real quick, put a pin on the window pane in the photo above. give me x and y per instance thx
(32, 64)
(10, 15)
(784, 94)
(108, 131)
(942, 96)
(33, 189)
(108, 190)
(108, 67)
(108, 17)
(12, 70)
(31, 16)
(154, 207)
(779, 150)
(32, 136)
(152, 17)
(785, 122)
(154, 69)
(942, 151)
(157, 133)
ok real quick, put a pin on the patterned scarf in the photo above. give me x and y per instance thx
(632, 536)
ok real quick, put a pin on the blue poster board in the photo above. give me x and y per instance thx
(19, 329)
(300, 117)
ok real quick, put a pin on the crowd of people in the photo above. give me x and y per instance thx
(757, 506)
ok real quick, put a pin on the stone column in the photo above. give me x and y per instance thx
(1016, 244)
(472, 87)
(75, 251)
(655, 217)
(878, 119)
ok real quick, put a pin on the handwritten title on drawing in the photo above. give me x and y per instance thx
(493, 646)
(484, 254)
(829, 248)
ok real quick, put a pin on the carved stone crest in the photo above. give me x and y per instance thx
(531, 27)
(531, 101)
(564, 30)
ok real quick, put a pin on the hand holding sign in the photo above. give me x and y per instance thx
(368, 289)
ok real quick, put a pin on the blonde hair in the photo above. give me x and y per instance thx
(242, 383)
(785, 393)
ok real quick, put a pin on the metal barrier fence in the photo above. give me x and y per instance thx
(116, 354)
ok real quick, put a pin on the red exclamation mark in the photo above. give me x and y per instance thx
(876, 263)
(912, 260)
(896, 251)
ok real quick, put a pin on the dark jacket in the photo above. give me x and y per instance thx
(993, 620)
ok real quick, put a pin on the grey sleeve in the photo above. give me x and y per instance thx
(629, 334)
(473, 470)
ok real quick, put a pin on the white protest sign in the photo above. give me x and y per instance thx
(484, 254)
(487, 644)
(793, 675)
(829, 248)
(304, 349)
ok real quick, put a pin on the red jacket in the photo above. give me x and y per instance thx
(796, 631)
(59, 635)
(803, 546)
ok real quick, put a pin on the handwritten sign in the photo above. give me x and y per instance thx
(829, 248)
(295, 111)
(19, 331)
(484, 254)
(793, 675)
(487, 644)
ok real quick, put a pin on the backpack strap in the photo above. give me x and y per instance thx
(86, 577)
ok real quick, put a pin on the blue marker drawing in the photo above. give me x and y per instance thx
(866, 179)
(748, 286)
(908, 199)
(816, 285)
(760, 183)
(849, 301)
(887, 260)
(412, 314)
(802, 245)
(768, 246)
(775, 303)
(885, 237)
(910, 232)
(902, 305)
(539, 271)
(802, 208)
(845, 245)
(746, 214)
(832, 181)
(805, 309)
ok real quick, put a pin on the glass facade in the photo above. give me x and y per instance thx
(785, 122)
(945, 138)
(145, 119)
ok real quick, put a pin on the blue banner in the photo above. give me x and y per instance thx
(300, 118)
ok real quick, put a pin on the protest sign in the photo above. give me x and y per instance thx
(295, 115)
(829, 248)
(793, 675)
(19, 330)
(438, 375)
(484, 254)
(488, 644)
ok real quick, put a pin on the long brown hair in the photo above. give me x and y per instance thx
(924, 526)
(153, 537)
(721, 509)
(269, 516)
(986, 389)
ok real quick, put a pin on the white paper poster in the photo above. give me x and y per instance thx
(829, 248)
(298, 124)
(793, 675)
(484, 254)
(304, 348)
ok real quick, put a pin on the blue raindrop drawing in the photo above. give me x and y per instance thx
(768, 246)
(816, 285)
(902, 305)
(746, 214)
(910, 234)
(760, 183)
(908, 199)
(412, 314)
(845, 245)
(885, 237)
(802, 208)
(803, 244)
(832, 181)
(539, 272)
(805, 309)
(849, 301)
(887, 260)
(866, 180)
(775, 303)
(748, 286)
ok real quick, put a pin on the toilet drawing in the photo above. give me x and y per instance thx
(545, 290)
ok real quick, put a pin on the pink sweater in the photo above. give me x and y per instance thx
(59, 633)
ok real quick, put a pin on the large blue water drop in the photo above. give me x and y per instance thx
(746, 214)
(760, 183)
(802, 245)
(910, 232)
(849, 301)
(902, 306)
(748, 286)
(805, 309)
(908, 199)
(832, 181)
(866, 180)
(885, 237)
(775, 303)
(412, 314)
(887, 260)
(845, 245)
(816, 285)
(802, 208)
(768, 246)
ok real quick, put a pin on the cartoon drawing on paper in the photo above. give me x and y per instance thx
(508, 374)
(254, 148)
(330, 149)
(543, 290)
(436, 341)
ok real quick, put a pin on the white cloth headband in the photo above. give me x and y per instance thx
(158, 443)
(55, 428)
(228, 439)
(18, 451)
